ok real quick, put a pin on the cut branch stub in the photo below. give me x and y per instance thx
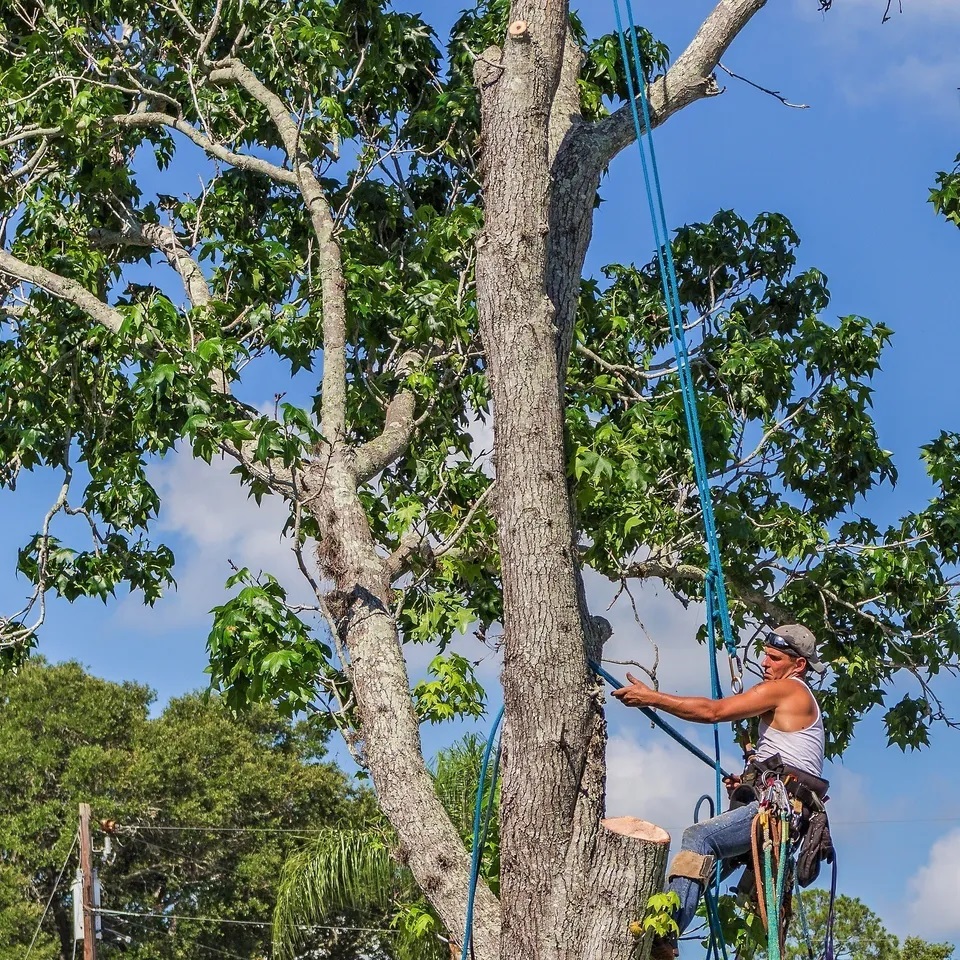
(630, 861)
(519, 30)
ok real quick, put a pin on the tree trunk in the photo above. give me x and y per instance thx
(359, 605)
(552, 793)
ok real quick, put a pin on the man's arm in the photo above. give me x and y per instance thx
(754, 702)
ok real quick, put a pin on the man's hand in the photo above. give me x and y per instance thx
(637, 694)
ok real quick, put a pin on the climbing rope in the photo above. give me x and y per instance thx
(714, 588)
(717, 944)
(480, 832)
(658, 721)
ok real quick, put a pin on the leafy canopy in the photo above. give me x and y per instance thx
(251, 789)
(161, 269)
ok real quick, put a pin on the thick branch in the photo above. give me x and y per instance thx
(688, 80)
(64, 289)
(165, 240)
(332, 283)
(379, 453)
(677, 574)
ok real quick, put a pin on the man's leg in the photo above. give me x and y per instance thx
(723, 837)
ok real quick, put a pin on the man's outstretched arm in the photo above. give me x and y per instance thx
(754, 702)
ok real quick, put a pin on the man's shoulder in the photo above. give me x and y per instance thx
(782, 689)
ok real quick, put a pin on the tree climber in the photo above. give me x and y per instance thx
(790, 745)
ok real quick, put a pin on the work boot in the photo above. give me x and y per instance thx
(664, 948)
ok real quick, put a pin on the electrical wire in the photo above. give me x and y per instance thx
(53, 892)
(241, 923)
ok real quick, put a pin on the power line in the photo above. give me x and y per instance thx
(53, 892)
(176, 933)
(243, 923)
(307, 832)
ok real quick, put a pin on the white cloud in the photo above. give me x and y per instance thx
(929, 82)
(654, 780)
(210, 522)
(914, 11)
(912, 60)
(933, 889)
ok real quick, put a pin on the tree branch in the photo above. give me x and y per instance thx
(377, 454)
(688, 80)
(676, 574)
(278, 477)
(241, 161)
(333, 410)
(164, 240)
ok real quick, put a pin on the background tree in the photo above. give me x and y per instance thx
(254, 782)
(414, 227)
(859, 933)
(356, 870)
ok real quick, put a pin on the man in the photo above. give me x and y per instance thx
(790, 725)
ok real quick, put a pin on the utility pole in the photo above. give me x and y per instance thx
(87, 886)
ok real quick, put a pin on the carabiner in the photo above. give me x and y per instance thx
(736, 673)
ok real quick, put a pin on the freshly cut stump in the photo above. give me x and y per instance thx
(629, 866)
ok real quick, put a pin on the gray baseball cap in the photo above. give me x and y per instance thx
(798, 641)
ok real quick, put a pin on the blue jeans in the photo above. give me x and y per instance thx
(725, 837)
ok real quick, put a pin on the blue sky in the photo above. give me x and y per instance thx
(852, 173)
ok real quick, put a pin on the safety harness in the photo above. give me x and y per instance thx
(790, 838)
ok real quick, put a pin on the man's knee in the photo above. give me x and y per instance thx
(692, 866)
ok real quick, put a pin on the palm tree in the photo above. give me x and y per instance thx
(354, 872)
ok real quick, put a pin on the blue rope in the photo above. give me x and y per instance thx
(715, 593)
(637, 91)
(478, 834)
(657, 721)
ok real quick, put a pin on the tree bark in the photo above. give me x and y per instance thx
(551, 721)
(360, 607)
(568, 886)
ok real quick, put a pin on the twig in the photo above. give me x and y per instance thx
(773, 93)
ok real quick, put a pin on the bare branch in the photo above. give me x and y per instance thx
(757, 86)
(240, 160)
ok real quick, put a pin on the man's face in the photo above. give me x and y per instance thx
(778, 664)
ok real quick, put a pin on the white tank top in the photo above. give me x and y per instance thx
(802, 749)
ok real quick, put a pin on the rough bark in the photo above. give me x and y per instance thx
(630, 857)
(567, 886)
(550, 718)
(360, 609)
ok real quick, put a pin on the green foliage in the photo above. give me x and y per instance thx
(859, 933)
(388, 120)
(945, 197)
(358, 870)
(261, 651)
(67, 737)
(659, 916)
(454, 692)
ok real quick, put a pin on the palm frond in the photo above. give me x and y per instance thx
(342, 870)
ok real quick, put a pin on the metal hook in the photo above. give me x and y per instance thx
(736, 673)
